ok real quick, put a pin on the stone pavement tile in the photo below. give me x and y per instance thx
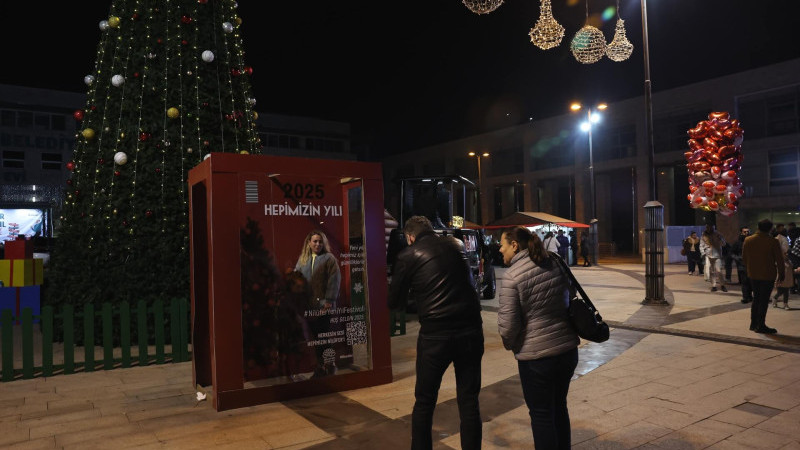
(11, 435)
(755, 438)
(700, 435)
(78, 426)
(703, 388)
(630, 436)
(278, 439)
(736, 395)
(48, 442)
(786, 423)
(509, 430)
(738, 417)
(11, 402)
(129, 437)
(790, 375)
(101, 432)
(55, 416)
(777, 363)
(785, 398)
(629, 396)
(672, 419)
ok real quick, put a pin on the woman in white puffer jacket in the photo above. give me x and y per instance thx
(533, 323)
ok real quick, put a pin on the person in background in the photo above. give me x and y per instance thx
(711, 248)
(727, 261)
(741, 272)
(533, 323)
(693, 254)
(550, 242)
(762, 258)
(436, 270)
(320, 268)
(573, 245)
(563, 246)
(585, 250)
(782, 287)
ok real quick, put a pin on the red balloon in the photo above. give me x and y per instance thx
(718, 115)
(715, 171)
(713, 205)
(709, 143)
(688, 155)
(709, 184)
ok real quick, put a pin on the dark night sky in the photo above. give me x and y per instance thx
(414, 73)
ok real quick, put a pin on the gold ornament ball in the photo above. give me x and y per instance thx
(88, 133)
(244, 152)
(255, 115)
(173, 113)
(113, 21)
(238, 21)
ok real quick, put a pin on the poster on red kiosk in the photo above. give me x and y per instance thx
(304, 308)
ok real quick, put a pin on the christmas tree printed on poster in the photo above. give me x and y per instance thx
(169, 86)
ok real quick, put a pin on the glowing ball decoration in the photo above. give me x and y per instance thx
(713, 162)
(120, 158)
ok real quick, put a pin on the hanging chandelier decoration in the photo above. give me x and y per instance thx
(482, 6)
(589, 45)
(620, 47)
(547, 33)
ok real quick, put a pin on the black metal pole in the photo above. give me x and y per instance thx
(648, 101)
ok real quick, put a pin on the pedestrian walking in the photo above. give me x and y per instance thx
(782, 287)
(585, 250)
(563, 246)
(437, 271)
(762, 257)
(693, 253)
(711, 248)
(573, 245)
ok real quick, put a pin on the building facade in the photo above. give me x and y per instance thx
(543, 165)
(37, 137)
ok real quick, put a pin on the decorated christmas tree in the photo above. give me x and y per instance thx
(169, 86)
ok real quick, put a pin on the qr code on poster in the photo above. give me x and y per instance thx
(356, 333)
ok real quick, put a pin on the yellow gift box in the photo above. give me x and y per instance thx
(21, 272)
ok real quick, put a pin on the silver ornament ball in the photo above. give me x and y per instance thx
(208, 56)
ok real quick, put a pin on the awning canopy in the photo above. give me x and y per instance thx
(533, 218)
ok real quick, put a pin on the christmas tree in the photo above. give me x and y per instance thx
(169, 86)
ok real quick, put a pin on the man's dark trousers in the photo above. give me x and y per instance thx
(747, 289)
(434, 354)
(758, 310)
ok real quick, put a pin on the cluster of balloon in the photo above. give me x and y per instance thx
(714, 160)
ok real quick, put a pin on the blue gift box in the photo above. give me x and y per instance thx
(18, 298)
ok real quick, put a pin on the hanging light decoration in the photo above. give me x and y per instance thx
(482, 6)
(547, 33)
(620, 47)
(589, 45)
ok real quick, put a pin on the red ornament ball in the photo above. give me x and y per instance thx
(70, 166)
(160, 41)
(206, 143)
(148, 213)
(235, 72)
(93, 108)
(78, 115)
(69, 182)
(117, 173)
(144, 136)
(186, 19)
(135, 74)
(158, 169)
(184, 42)
(248, 70)
(101, 161)
(135, 16)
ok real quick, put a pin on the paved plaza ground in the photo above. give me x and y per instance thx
(690, 375)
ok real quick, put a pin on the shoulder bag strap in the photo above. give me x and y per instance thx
(565, 270)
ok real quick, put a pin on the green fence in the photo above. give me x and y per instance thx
(105, 356)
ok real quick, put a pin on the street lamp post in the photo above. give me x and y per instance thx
(478, 157)
(653, 210)
(592, 117)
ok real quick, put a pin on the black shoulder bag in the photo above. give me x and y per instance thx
(582, 313)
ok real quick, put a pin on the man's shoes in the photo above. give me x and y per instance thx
(714, 289)
(766, 330)
(753, 328)
(723, 288)
(786, 306)
(775, 304)
(691, 273)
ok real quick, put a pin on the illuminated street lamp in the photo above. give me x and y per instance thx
(592, 117)
(478, 157)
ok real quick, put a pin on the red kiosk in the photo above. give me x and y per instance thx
(257, 335)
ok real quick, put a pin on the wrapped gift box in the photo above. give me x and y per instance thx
(21, 272)
(18, 298)
(19, 249)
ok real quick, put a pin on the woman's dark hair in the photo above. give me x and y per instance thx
(532, 242)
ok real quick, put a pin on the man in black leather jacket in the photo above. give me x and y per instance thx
(436, 272)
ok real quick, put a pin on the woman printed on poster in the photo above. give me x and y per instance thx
(321, 269)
